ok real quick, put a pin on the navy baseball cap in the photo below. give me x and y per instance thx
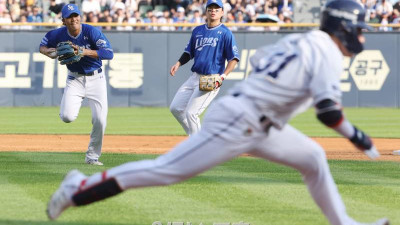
(69, 9)
(216, 2)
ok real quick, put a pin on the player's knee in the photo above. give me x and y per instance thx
(192, 115)
(316, 160)
(175, 110)
(67, 118)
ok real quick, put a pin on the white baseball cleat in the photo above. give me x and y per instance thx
(95, 162)
(62, 198)
(396, 152)
(372, 153)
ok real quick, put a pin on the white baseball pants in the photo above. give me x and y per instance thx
(232, 127)
(94, 88)
(189, 103)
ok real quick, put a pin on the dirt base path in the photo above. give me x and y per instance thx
(336, 148)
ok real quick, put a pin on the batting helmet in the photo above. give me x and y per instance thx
(345, 19)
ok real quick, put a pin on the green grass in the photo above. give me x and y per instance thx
(245, 189)
(378, 122)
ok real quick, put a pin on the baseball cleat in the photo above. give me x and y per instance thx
(95, 162)
(372, 153)
(62, 198)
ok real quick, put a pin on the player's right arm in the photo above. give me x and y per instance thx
(46, 47)
(186, 56)
(49, 52)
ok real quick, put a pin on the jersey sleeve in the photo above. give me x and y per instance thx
(48, 40)
(325, 76)
(190, 47)
(231, 50)
(103, 46)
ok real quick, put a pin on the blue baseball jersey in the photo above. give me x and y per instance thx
(210, 48)
(90, 38)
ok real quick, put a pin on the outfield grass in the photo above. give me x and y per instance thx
(245, 189)
(378, 122)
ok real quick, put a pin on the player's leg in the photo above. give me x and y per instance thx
(96, 93)
(292, 148)
(72, 98)
(216, 143)
(180, 101)
(198, 102)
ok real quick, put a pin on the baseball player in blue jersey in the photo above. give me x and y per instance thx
(298, 71)
(85, 76)
(211, 45)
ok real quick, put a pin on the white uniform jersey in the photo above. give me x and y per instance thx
(287, 77)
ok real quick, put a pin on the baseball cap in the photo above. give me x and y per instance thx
(180, 9)
(216, 2)
(68, 9)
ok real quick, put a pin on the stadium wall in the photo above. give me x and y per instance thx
(139, 73)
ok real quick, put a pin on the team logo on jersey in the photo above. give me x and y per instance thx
(235, 49)
(85, 38)
(101, 43)
(202, 42)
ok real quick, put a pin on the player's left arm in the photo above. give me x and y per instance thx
(103, 49)
(231, 52)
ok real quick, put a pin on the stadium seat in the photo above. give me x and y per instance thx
(160, 8)
(144, 8)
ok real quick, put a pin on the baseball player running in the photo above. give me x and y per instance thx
(298, 70)
(210, 45)
(81, 47)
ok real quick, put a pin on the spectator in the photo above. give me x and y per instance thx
(131, 5)
(14, 9)
(197, 19)
(55, 10)
(251, 9)
(384, 10)
(94, 20)
(166, 19)
(91, 6)
(373, 18)
(271, 8)
(118, 4)
(396, 10)
(35, 16)
(109, 19)
(180, 17)
(230, 18)
(5, 18)
(23, 19)
(103, 16)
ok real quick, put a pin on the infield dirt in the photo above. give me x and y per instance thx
(336, 148)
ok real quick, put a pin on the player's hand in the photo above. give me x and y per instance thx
(51, 52)
(174, 68)
(219, 84)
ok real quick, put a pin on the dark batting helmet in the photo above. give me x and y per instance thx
(345, 19)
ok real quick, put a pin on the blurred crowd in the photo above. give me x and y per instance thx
(134, 12)
(382, 12)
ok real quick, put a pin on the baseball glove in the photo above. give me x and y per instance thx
(210, 82)
(68, 53)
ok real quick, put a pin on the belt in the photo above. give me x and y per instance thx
(94, 72)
